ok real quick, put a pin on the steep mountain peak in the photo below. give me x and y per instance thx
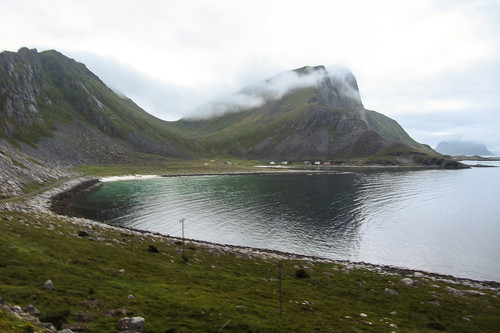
(307, 70)
(338, 90)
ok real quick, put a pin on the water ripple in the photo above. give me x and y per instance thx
(437, 220)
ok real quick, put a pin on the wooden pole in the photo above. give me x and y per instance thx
(183, 246)
(280, 289)
(132, 242)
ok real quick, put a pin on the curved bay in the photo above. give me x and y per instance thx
(446, 221)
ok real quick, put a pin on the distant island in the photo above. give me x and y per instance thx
(455, 148)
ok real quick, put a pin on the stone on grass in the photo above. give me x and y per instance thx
(109, 312)
(48, 285)
(85, 317)
(134, 324)
(407, 282)
(391, 292)
(31, 310)
(124, 311)
(454, 292)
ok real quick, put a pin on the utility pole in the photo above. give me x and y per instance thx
(132, 242)
(281, 291)
(183, 246)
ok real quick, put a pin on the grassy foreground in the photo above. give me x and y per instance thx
(95, 269)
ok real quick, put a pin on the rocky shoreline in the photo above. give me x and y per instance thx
(52, 202)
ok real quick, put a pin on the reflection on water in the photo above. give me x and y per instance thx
(437, 220)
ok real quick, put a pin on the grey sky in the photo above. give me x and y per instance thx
(434, 66)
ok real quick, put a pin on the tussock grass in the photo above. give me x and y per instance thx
(217, 288)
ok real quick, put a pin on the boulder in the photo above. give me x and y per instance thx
(391, 292)
(134, 324)
(85, 317)
(32, 310)
(455, 292)
(109, 312)
(48, 285)
(407, 282)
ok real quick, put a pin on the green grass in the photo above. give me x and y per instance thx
(216, 289)
(173, 167)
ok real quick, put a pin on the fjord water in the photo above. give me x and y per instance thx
(444, 221)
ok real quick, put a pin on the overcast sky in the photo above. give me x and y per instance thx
(434, 66)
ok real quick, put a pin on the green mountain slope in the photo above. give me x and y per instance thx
(320, 117)
(59, 112)
(56, 105)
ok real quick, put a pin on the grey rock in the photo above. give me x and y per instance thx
(474, 292)
(109, 312)
(454, 292)
(123, 311)
(85, 317)
(407, 282)
(391, 292)
(48, 285)
(135, 324)
(32, 310)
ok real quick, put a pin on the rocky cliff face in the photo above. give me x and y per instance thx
(337, 91)
(19, 73)
(44, 94)
(55, 113)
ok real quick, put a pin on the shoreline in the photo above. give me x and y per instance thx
(46, 202)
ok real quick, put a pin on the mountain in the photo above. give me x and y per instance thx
(62, 110)
(318, 116)
(55, 114)
(462, 148)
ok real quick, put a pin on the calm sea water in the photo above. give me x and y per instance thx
(444, 221)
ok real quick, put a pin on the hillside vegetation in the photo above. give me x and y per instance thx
(101, 274)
